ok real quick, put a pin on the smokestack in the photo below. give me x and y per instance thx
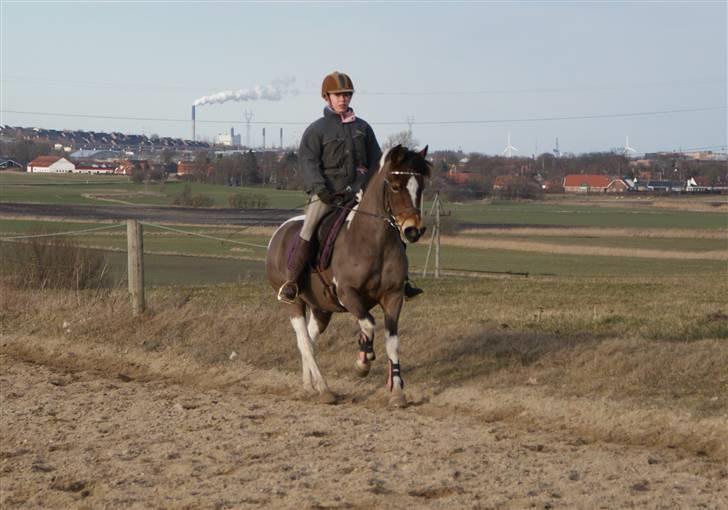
(193, 123)
(281, 138)
(264, 138)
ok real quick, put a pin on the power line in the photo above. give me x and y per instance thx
(707, 80)
(419, 123)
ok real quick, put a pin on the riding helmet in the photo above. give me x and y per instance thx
(336, 82)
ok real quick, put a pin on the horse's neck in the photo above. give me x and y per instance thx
(371, 218)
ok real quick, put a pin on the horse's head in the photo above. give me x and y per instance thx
(404, 173)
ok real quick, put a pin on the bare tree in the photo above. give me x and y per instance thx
(403, 138)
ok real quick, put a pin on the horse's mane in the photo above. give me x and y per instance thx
(400, 156)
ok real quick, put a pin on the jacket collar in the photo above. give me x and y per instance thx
(345, 118)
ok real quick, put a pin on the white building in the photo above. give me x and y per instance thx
(51, 164)
(228, 139)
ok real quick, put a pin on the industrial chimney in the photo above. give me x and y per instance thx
(193, 123)
(264, 138)
(281, 138)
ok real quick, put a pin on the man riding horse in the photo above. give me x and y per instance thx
(338, 154)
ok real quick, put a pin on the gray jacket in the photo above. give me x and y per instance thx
(331, 152)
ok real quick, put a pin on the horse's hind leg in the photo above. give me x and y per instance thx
(312, 378)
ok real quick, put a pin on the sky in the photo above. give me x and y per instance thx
(461, 75)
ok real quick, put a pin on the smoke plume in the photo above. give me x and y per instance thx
(275, 91)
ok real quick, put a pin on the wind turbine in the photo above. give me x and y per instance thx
(627, 149)
(508, 151)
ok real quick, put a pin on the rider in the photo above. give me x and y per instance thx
(338, 154)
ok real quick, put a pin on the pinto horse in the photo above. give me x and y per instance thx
(368, 267)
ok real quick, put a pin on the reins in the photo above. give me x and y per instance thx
(386, 205)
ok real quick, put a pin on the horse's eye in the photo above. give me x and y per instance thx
(395, 187)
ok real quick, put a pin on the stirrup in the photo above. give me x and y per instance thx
(283, 298)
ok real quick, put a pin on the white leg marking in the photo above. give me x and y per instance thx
(367, 327)
(392, 344)
(311, 375)
(412, 187)
(313, 329)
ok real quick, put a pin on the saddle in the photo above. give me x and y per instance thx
(326, 233)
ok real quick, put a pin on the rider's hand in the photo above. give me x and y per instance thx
(343, 197)
(326, 196)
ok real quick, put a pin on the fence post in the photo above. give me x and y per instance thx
(437, 241)
(135, 264)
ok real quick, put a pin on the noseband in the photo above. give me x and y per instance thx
(387, 206)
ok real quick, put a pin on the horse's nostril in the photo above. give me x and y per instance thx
(412, 234)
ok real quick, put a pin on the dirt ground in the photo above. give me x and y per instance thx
(83, 426)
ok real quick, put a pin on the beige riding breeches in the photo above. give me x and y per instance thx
(315, 210)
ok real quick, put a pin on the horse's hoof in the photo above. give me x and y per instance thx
(397, 399)
(327, 397)
(362, 369)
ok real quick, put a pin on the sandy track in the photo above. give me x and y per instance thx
(96, 429)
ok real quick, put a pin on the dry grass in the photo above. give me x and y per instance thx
(696, 203)
(529, 246)
(666, 233)
(639, 361)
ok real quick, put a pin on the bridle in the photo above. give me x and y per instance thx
(387, 205)
(389, 216)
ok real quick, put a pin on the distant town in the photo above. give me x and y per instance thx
(456, 174)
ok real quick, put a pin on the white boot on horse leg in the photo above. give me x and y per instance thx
(366, 347)
(395, 383)
(312, 378)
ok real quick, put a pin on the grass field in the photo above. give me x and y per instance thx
(570, 236)
(621, 321)
(105, 189)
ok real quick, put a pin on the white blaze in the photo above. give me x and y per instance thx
(412, 187)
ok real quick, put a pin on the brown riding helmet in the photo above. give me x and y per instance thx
(336, 82)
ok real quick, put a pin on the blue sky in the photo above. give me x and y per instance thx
(464, 74)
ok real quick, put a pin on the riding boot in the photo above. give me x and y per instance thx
(410, 290)
(296, 264)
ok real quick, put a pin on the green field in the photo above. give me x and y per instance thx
(110, 189)
(597, 215)
(662, 234)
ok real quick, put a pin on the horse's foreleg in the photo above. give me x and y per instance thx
(351, 300)
(366, 345)
(395, 383)
(312, 378)
(317, 323)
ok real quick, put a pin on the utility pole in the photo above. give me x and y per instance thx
(410, 121)
(248, 117)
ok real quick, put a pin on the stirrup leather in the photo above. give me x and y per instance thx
(283, 298)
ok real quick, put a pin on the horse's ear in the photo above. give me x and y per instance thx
(423, 152)
(396, 154)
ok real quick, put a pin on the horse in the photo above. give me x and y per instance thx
(368, 267)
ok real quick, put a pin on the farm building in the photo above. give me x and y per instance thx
(459, 177)
(9, 164)
(95, 167)
(592, 183)
(194, 169)
(51, 164)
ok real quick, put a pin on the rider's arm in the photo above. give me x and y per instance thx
(309, 161)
